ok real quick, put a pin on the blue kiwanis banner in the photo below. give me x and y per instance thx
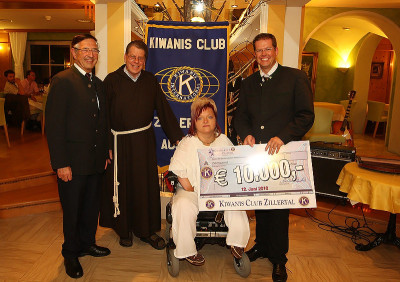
(190, 60)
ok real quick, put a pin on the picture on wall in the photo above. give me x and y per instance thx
(309, 62)
(377, 69)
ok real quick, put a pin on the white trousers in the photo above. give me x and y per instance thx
(184, 215)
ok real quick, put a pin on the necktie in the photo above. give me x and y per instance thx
(89, 75)
(264, 78)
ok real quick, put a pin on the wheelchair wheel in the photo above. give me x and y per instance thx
(242, 266)
(172, 263)
(167, 231)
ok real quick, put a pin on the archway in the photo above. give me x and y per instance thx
(362, 71)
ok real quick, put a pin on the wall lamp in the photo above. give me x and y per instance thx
(343, 70)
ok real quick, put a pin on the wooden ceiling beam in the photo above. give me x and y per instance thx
(44, 4)
(48, 30)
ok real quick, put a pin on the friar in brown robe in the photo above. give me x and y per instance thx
(133, 95)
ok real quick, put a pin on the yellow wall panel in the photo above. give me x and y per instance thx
(115, 36)
(276, 25)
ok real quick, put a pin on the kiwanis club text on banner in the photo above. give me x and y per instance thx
(189, 60)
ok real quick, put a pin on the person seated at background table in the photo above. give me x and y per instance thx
(204, 132)
(16, 102)
(31, 90)
(13, 84)
(29, 85)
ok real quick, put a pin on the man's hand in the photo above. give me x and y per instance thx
(108, 161)
(249, 140)
(273, 145)
(65, 173)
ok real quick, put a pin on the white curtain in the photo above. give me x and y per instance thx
(18, 46)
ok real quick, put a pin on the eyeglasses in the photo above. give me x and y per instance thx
(268, 50)
(87, 50)
(134, 58)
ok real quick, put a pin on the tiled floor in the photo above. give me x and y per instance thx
(30, 245)
(30, 251)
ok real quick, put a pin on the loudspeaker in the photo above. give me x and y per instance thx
(328, 160)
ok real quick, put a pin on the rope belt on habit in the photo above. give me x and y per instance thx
(116, 183)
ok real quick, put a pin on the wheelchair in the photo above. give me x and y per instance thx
(210, 229)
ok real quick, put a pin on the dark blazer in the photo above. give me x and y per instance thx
(281, 106)
(76, 128)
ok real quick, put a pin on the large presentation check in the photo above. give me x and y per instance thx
(247, 178)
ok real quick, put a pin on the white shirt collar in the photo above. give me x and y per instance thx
(81, 70)
(131, 77)
(271, 71)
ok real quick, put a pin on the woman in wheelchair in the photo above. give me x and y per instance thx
(204, 132)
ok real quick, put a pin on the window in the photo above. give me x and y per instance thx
(48, 58)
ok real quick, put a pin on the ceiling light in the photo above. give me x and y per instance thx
(156, 5)
(5, 21)
(346, 28)
(84, 20)
(199, 7)
(197, 19)
(47, 18)
(234, 6)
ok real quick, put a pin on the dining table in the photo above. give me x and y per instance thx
(379, 190)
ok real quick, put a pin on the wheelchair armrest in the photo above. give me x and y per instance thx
(171, 179)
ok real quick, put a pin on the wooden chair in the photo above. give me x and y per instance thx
(375, 113)
(19, 107)
(321, 129)
(3, 120)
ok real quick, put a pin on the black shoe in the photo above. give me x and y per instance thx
(155, 241)
(126, 242)
(255, 253)
(73, 268)
(95, 251)
(279, 273)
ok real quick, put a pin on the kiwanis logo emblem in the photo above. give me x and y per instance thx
(184, 84)
(206, 172)
(304, 201)
(210, 204)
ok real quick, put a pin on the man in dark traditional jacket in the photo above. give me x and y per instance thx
(275, 107)
(76, 127)
(131, 199)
